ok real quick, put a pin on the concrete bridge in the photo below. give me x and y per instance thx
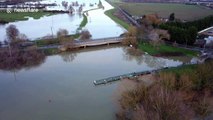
(91, 43)
(98, 42)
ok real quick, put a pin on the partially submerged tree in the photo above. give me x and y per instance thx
(80, 9)
(12, 33)
(64, 4)
(71, 9)
(85, 35)
(62, 33)
(20, 59)
(100, 5)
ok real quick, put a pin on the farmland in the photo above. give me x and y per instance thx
(182, 11)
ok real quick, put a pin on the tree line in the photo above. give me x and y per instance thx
(186, 33)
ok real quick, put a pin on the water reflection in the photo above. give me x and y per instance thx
(68, 56)
(151, 61)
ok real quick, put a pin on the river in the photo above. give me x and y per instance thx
(62, 87)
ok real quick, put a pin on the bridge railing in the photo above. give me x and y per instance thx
(102, 40)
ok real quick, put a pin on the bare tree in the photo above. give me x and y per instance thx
(62, 33)
(22, 37)
(66, 42)
(71, 9)
(12, 33)
(85, 35)
(64, 4)
(156, 37)
(80, 9)
(130, 37)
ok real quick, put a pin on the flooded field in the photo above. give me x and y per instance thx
(48, 25)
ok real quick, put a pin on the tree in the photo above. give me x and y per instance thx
(12, 33)
(71, 9)
(150, 20)
(85, 35)
(130, 37)
(80, 9)
(62, 33)
(66, 42)
(100, 5)
(22, 37)
(64, 4)
(172, 17)
(192, 35)
(157, 36)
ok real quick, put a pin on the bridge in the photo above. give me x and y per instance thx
(91, 43)
(98, 42)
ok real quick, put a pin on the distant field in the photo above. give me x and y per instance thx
(11, 17)
(182, 11)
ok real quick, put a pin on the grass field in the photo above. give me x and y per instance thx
(182, 11)
(109, 13)
(11, 17)
(163, 49)
(181, 70)
(83, 22)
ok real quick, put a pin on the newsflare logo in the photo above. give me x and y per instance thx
(10, 10)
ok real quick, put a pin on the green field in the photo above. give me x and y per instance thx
(181, 70)
(164, 49)
(182, 11)
(109, 13)
(11, 17)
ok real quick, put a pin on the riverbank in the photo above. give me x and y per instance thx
(110, 14)
(187, 89)
(85, 19)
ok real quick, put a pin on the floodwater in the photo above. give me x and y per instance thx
(101, 26)
(98, 23)
(62, 87)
